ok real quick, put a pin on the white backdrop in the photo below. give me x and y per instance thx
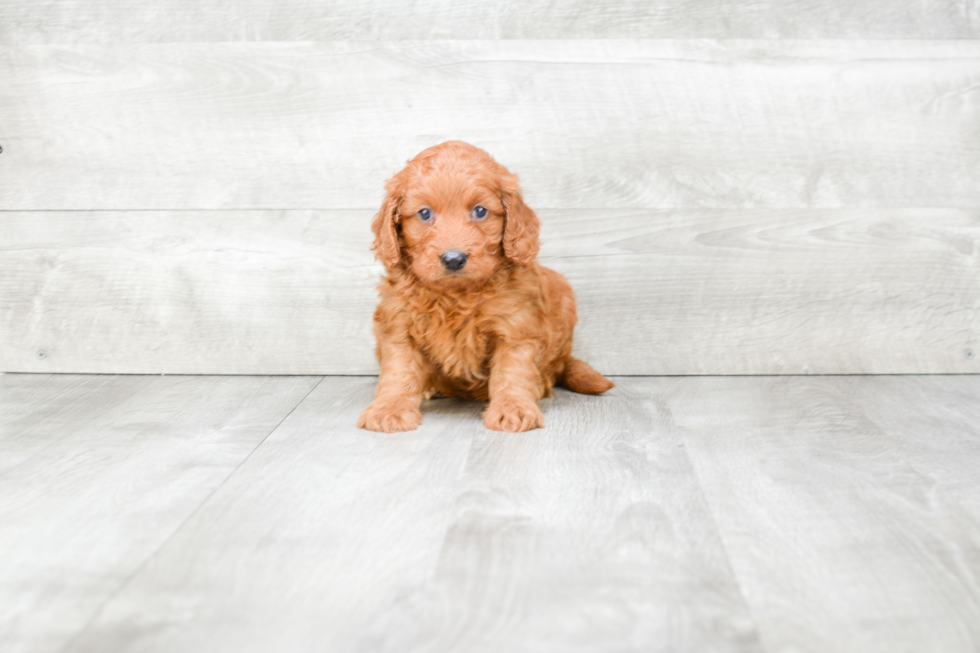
(731, 187)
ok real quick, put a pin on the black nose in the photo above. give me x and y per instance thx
(453, 260)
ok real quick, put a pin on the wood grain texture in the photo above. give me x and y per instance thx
(590, 535)
(814, 514)
(667, 292)
(849, 507)
(99, 472)
(189, 292)
(776, 292)
(587, 124)
(113, 21)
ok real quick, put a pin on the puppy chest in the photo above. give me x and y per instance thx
(459, 348)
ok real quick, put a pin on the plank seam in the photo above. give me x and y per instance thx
(95, 615)
(679, 432)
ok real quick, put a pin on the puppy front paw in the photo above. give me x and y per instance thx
(513, 415)
(390, 417)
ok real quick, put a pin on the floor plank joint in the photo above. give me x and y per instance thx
(823, 514)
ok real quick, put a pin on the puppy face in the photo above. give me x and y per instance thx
(452, 226)
(453, 217)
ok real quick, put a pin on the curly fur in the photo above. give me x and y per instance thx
(499, 329)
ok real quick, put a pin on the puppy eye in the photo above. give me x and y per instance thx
(479, 212)
(425, 215)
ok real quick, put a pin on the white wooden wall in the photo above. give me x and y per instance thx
(731, 187)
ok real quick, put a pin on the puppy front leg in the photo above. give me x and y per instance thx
(398, 396)
(515, 387)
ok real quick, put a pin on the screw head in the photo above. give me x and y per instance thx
(41, 355)
(969, 354)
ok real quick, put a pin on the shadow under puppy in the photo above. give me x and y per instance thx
(466, 310)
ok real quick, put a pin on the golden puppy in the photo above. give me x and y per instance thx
(465, 308)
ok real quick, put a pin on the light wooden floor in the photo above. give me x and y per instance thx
(163, 513)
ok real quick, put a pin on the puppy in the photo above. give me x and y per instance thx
(466, 310)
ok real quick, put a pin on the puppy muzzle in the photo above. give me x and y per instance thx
(453, 260)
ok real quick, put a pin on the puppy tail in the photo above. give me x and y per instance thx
(580, 377)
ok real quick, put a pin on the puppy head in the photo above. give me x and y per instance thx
(453, 217)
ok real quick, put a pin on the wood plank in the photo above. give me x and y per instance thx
(113, 21)
(35, 406)
(587, 124)
(667, 292)
(101, 473)
(849, 506)
(776, 292)
(324, 529)
(188, 292)
(589, 535)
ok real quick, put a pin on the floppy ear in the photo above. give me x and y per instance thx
(386, 247)
(521, 225)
